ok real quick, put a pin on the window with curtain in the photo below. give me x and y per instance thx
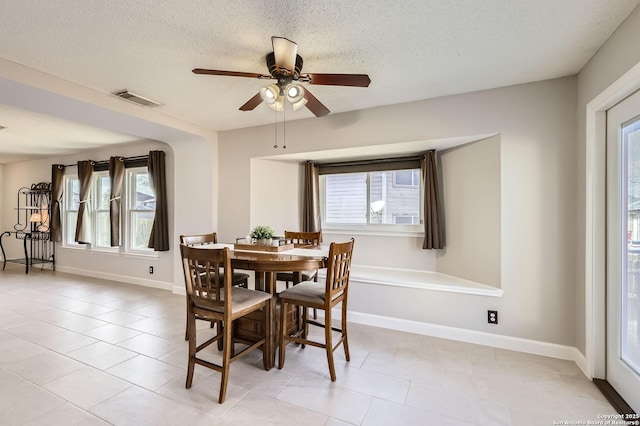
(70, 206)
(141, 207)
(137, 215)
(102, 191)
(380, 195)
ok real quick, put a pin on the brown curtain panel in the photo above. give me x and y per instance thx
(116, 176)
(55, 226)
(311, 199)
(159, 239)
(83, 224)
(433, 218)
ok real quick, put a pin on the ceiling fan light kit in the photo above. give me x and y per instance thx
(272, 96)
(295, 96)
(285, 66)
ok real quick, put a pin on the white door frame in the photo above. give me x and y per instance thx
(595, 235)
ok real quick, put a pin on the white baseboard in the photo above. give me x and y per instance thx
(518, 344)
(581, 362)
(116, 277)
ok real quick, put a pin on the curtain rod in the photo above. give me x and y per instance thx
(371, 161)
(138, 157)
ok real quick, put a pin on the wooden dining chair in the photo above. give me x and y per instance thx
(212, 296)
(239, 278)
(310, 294)
(301, 239)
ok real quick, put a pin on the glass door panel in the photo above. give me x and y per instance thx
(623, 249)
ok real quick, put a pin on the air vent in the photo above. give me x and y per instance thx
(134, 97)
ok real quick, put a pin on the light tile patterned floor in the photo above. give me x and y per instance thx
(77, 350)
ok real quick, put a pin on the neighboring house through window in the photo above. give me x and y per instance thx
(371, 197)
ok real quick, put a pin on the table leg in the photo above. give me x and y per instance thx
(266, 281)
(270, 287)
(259, 281)
(4, 256)
(26, 256)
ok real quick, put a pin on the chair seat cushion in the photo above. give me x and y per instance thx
(241, 298)
(307, 292)
(240, 278)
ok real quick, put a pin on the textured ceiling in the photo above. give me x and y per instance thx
(411, 49)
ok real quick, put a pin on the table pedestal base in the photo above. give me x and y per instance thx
(250, 328)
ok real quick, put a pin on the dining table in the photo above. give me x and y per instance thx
(265, 265)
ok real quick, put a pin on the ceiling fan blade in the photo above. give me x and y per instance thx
(285, 52)
(356, 80)
(229, 73)
(252, 103)
(314, 105)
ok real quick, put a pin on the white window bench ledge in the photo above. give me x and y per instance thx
(411, 278)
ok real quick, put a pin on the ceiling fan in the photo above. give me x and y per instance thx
(284, 65)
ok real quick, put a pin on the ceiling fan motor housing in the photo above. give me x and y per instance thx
(277, 73)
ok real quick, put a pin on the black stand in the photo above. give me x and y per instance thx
(21, 236)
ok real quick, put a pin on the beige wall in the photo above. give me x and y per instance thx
(537, 127)
(619, 54)
(471, 190)
(274, 183)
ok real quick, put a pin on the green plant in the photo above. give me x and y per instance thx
(262, 232)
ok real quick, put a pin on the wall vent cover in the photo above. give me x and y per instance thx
(139, 99)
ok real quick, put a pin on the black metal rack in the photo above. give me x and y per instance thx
(33, 213)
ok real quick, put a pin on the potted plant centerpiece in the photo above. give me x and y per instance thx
(262, 234)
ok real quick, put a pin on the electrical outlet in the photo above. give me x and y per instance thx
(492, 317)
(151, 269)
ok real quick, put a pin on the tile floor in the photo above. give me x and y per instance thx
(77, 350)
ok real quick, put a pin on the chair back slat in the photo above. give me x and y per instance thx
(304, 238)
(205, 279)
(338, 268)
(194, 240)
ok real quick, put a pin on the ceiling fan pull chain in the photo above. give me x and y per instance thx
(284, 128)
(275, 128)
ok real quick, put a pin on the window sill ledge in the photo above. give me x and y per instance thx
(107, 252)
(372, 232)
(425, 280)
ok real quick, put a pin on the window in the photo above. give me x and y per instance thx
(100, 202)
(70, 205)
(138, 210)
(405, 219)
(406, 177)
(141, 205)
(387, 197)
